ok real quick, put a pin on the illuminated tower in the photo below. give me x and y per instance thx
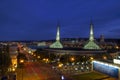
(91, 43)
(57, 44)
(91, 37)
(58, 34)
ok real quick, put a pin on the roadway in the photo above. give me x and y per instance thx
(37, 71)
(34, 70)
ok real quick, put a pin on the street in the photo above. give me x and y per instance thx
(37, 71)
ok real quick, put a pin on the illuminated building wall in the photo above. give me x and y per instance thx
(13, 54)
(106, 68)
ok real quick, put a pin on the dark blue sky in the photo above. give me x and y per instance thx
(37, 19)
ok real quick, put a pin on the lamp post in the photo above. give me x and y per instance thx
(22, 61)
(72, 59)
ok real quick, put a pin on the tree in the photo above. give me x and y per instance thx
(19, 57)
(5, 60)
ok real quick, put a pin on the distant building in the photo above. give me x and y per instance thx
(13, 54)
(5, 58)
(41, 44)
(102, 38)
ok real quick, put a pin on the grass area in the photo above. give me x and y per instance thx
(90, 76)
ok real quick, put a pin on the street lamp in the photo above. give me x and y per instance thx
(72, 59)
(60, 65)
(38, 57)
(91, 58)
(22, 61)
(117, 47)
(104, 57)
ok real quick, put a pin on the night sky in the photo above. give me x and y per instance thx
(37, 19)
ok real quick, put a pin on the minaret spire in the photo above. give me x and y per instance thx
(91, 43)
(57, 43)
(58, 34)
(91, 38)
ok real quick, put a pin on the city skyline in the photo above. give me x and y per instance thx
(37, 20)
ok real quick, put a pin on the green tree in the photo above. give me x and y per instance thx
(19, 57)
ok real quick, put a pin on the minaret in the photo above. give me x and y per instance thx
(57, 44)
(91, 43)
(58, 34)
(91, 38)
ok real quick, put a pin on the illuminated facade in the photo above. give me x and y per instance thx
(107, 68)
(57, 44)
(91, 43)
(13, 55)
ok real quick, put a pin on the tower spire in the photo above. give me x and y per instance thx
(58, 34)
(91, 43)
(57, 43)
(91, 38)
